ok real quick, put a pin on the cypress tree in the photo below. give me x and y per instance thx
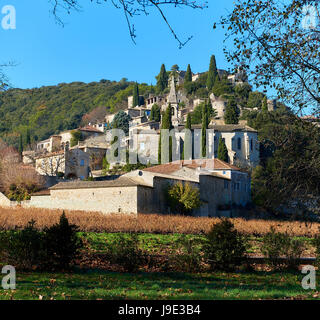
(265, 104)
(205, 124)
(135, 101)
(28, 138)
(212, 74)
(166, 124)
(188, 75)
(231, 115)
(222, 150)
(188, 136)
(162, 79)
(155, 114)
(20, 148)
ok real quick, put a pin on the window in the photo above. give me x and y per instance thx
(142, 146)
(226, 184)
(239, 143)
(82, 163)
(251, 145)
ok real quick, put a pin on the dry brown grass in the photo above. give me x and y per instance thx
(97, 222)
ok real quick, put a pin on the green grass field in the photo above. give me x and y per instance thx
(110, 285)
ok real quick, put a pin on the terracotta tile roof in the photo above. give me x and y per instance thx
(90, 129)
(51, 154)
(119, 182)
(211, 164)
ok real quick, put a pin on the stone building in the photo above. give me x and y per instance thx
(73, 164)
(241, 141)
(222, 188)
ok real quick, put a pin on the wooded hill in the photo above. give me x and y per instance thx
(50, 109)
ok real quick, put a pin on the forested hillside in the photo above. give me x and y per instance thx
(48, 110)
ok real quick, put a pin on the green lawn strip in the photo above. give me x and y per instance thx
(110, 285)
(157, 243)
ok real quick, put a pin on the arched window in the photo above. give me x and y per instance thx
(239, 143)
(172, 111)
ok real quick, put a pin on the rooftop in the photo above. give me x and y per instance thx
(209, 164)
(119, 182)
(227, 127)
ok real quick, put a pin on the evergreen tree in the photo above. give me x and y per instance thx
(188, 137)
(28, 138)
(205, 124)
(166, 124)
(135, 101)
(155, 114)
(265, 104)
(20, 148)
(162, 79)
(212, 74)
(188, 75)
(231, 115)
(222, 150)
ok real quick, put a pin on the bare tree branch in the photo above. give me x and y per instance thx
(131, 8)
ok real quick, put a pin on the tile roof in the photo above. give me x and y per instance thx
(210, 164)
(226, 127)
(90, 129)
(119, 182)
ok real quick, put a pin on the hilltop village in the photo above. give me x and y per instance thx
(77, 176)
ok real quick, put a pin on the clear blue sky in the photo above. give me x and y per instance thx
(95, 43)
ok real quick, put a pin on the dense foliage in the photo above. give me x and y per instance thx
(48, 110)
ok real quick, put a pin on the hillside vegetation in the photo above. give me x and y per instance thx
(50, 109)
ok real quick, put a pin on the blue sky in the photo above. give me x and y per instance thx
(95, 44)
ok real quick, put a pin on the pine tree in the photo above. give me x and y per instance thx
(205, 124)
(188, 75)
(135, 101)
(162, 79)
(212, 74)
(222, 150)
(166, 124)
(188, 137)
(265, 104)
(231, 115)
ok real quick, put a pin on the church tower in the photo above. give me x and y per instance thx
(173, 100)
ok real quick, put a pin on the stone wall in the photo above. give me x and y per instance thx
(105, 200)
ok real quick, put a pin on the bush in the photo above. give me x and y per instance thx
(316, 243)
(126, 253)
(276, 245)
(183, 198)
(189, 256)
(62, 244)
(29, 249)
(225, 247)
(24, 248)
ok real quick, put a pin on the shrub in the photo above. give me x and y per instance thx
(225, 246)
(23, 248)
(316, 243)
(189, 256)
(183, 198)
(276, 245)
(62, 244)
(126, 253)
(30, 249)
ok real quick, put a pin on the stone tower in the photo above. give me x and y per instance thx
(173, 100)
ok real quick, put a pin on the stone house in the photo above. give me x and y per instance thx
(241, 141)
(72, 163)
(143, 191)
